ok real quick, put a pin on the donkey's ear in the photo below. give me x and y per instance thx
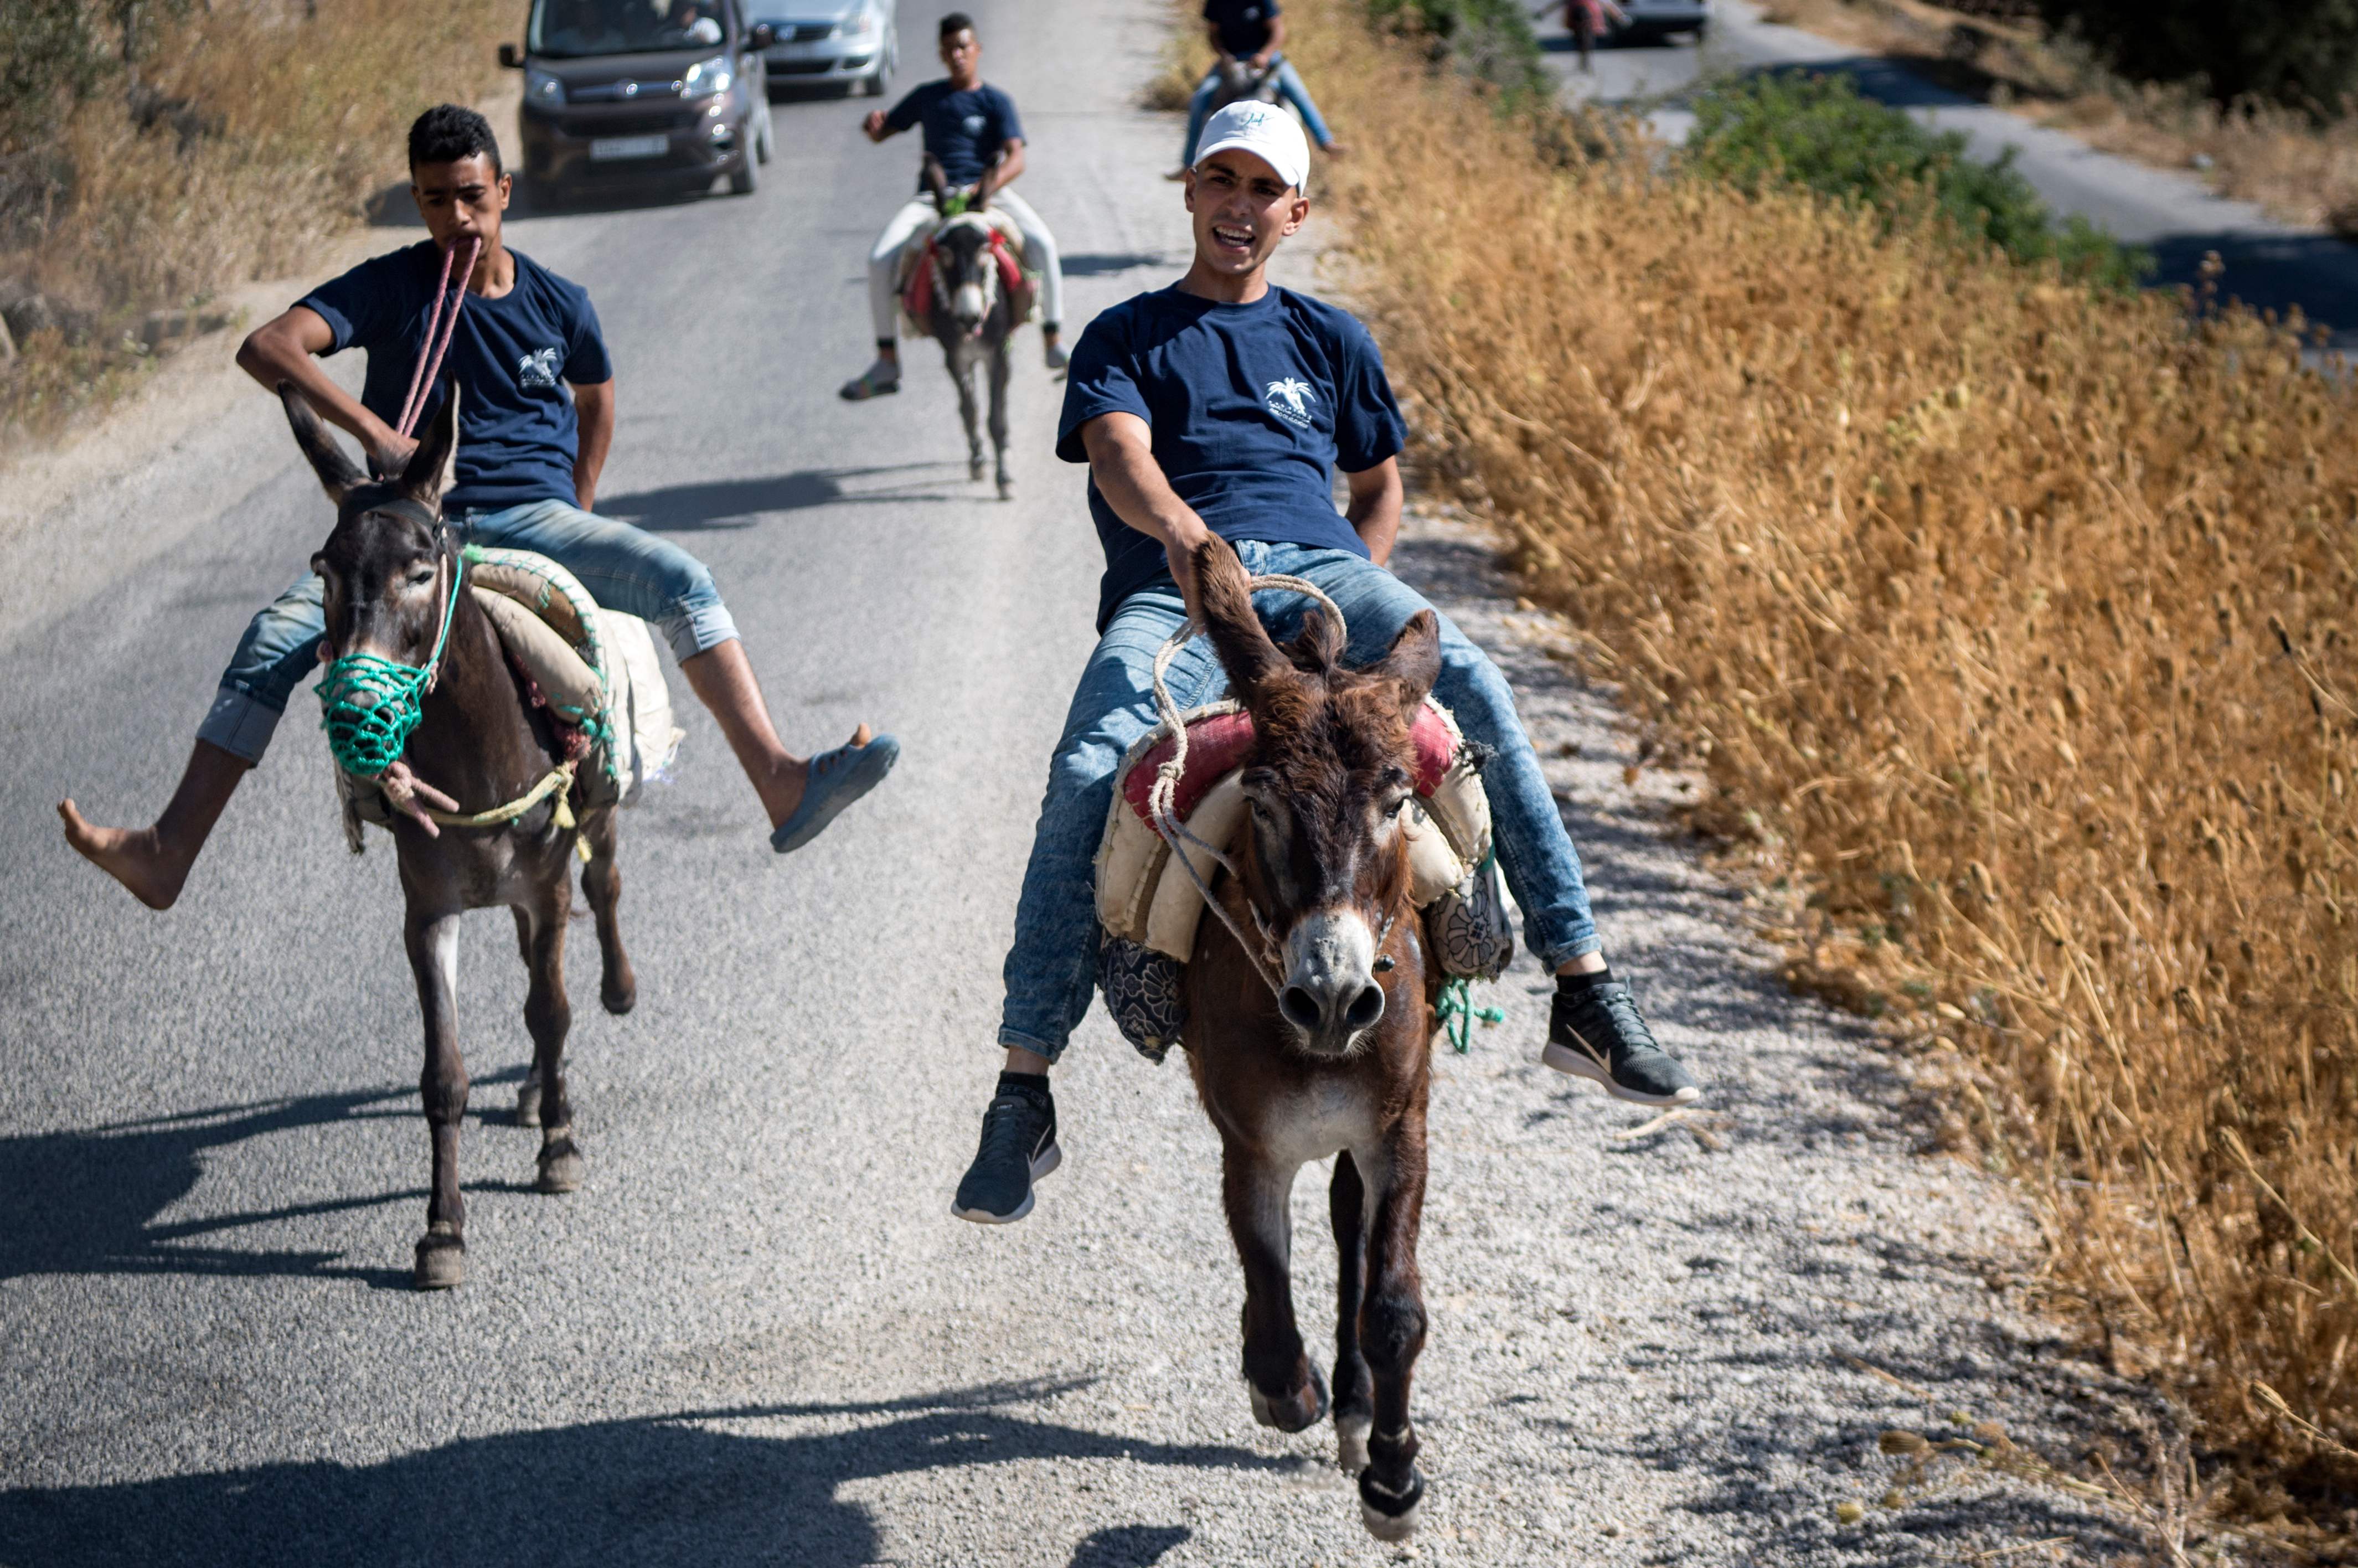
(1413, 660)
(436, 461)
(337, 473)
(1237, 634)
(1318, 646)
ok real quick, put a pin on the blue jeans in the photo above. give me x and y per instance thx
(624, 567)
(1052, 968)
(1288, 87)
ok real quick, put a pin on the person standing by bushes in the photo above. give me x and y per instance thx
(1585, 21)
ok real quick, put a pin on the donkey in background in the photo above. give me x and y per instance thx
(972, 311)
(392, 570)
(1337, 1061)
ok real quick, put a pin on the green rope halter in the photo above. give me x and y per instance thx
(1458, 1012)
(367, 737)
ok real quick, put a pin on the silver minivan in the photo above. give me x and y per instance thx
(846, 43)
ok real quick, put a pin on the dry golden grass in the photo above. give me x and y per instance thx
(304, 122)
(2014, 625)
(2302, 171)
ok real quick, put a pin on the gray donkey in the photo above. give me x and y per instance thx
(967, 287)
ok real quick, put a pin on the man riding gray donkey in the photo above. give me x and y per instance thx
(1220, 405)
(528, 460)
(971, 131)
(1249, 47)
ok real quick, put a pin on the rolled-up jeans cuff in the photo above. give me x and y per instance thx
(1579, 946)
(239, 723)
(699, 630)
(1016, 1040)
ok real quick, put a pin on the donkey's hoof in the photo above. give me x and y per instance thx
(977, 468)
(1351, 1428)
(619, 1000)
(1389, 1516)
(441, 1260)
(1298, 1412)
(562, 1169)
(527, 1111)
(1006, 488)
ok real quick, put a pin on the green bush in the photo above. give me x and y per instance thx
(1490, 38)
(1816, 131)
(2303, 54)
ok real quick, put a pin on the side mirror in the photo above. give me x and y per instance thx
(761, 38)
(510, 58)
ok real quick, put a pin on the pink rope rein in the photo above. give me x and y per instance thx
(431, 353)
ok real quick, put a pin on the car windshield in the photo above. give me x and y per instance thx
(572, 29)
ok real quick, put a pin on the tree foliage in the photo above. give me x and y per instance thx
(2300, 52)
(1816, 131)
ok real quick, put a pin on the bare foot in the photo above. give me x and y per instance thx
(136, 857)
(784, 790)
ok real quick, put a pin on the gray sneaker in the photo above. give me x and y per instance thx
(879, 380)
(1599, 1033)
(1019, 1147)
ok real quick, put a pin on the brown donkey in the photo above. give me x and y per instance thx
(392, 574)
(1318, 1044)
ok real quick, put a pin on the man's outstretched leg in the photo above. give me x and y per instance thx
(884, 303)
(154, 861)
(645, 575)
(801, 795)
(1040, 255)
(1594, 1030)
(280, 647)
(1052, 966)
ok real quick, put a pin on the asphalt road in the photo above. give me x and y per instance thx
(756, 1335)
(2270, 264)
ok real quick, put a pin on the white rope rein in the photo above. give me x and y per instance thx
(1161, 797)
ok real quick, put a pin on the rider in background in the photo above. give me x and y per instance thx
(970, 129)
(1223, 405)
(1252, 32)
(530, 453)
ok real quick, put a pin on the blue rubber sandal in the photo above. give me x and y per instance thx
(836, 779)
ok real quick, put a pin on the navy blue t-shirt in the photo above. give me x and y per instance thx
(1252, 408)
(511, 357)
(1243, 24)
(964, 131)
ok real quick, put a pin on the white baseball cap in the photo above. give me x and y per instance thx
(1264, 130)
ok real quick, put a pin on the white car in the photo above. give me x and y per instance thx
(832, 42)
(1650, 21)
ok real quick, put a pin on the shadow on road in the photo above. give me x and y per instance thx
(85, 1202)
(741, 503)
(1110, 263)
(676, 1488)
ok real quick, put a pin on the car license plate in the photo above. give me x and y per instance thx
(611, 149)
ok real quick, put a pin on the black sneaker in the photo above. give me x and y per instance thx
(1019, 1147)
(1597, 1032)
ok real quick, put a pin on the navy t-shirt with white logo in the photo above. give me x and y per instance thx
(1252, 407)
(511, 357)
(1243, 24)
(964, 130)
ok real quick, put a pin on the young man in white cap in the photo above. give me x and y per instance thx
(1221, 405)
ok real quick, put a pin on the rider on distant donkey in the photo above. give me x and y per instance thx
(1220, 405)
(1251, 33)
(970, 129)
(528, 462)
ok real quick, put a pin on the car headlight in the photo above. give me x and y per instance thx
(708, 78)
(542, 88)
(863, 27)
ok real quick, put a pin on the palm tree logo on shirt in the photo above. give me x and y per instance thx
(1290, 401)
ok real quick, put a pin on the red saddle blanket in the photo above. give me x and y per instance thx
(917, 294)
(1218, 743)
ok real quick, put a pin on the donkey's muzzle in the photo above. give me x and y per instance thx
(1330, 992)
